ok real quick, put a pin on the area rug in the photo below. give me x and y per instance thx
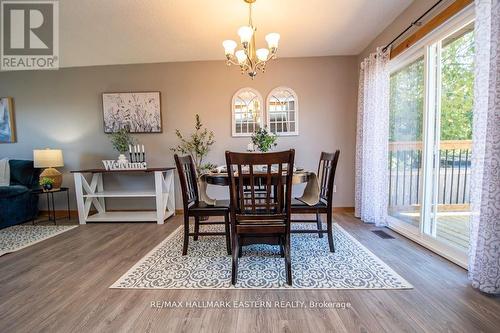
(20, 236)
(207, 266)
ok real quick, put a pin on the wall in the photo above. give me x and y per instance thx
(62, 109)
(409, 15)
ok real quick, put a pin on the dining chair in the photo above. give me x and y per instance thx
(193, 207)
(257, 216)
(326, 177)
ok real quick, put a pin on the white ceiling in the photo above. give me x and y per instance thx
(102, 32)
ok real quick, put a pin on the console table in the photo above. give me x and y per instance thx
(93, 193)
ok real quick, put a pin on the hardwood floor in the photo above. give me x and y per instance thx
(61, 285)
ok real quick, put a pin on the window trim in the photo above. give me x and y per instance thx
(426, 48)
(233, 119)
(461, 19)
(296, 110)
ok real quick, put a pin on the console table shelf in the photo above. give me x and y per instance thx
(93, 194)
(120, 194)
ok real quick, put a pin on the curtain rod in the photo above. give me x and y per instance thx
(414, 23)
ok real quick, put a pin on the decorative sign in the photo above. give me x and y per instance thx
(117, 165)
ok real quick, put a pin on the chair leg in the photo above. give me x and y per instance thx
(196, 227)
(228, 233)
(240, 251)
(234, 271)
(288, 261)
(282, 250)
(329, 224)
(319, 223)
(186, 234)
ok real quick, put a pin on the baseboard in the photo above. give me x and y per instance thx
(343, 209)
(74, 213)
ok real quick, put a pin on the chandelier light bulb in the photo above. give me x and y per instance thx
(229, 46)
(245, 33)
(262, 54)
(241, 56)
(272, 40)
(244, 53)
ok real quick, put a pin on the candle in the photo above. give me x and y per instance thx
(250, 147)
(129, 148)
(143, 148)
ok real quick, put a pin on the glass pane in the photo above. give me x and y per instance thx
(247, 111)
(281, 109)
(405, 142)
(452, 210)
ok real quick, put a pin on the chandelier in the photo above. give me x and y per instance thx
(250, 59)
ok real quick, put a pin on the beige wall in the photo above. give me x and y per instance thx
(62, 109)
(410, 14)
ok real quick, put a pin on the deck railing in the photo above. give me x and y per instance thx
(405, 172)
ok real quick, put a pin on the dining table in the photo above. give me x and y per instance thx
(222, 178)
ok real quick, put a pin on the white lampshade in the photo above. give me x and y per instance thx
(48, 158)
(241, 56)
(262, 54)
(272, 40)
(245, 33)
(229, 46)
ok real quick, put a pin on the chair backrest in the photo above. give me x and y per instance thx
(260, 185)
(326, 173)
(187, 178)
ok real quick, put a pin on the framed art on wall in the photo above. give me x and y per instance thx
(140, 112)
(7, 127)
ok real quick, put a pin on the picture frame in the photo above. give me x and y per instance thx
(139, 111)
(7, 120)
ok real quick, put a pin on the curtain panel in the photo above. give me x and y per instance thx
(371, 187)
(484, 250)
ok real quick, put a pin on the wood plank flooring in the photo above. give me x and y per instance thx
(61, 285)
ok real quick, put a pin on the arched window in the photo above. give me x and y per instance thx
(247, 112)
(283, 111)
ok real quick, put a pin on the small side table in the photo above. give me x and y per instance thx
(51, 210)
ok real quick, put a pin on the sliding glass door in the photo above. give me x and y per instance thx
(431, 98)
(451, 211)
(405, 142)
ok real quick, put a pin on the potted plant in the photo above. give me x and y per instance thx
(198, 145)
(264, 140)
(46, 183)
(121, 141)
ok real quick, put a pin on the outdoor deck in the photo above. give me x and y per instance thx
(452, 227)
(453, 187)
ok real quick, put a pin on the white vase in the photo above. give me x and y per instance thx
(122, 159)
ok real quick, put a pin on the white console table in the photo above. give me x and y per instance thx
(94, 194)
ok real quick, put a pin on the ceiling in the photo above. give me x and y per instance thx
(103, 32)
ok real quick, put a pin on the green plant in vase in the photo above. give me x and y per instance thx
(264, 140)
(198, 145)
(121, 141)
(46, 183)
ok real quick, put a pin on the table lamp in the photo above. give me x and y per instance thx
(49, 159)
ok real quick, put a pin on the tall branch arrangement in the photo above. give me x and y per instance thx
(198, 144)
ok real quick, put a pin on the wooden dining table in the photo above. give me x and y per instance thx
(222, 178)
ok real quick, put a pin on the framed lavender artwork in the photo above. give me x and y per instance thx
(140, 112)
(7, 128)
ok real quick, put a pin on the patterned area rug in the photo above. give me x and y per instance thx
(20, 236)
(207, 266)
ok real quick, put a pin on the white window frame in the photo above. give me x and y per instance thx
(426, 46)
(296, 111)
(233, 118)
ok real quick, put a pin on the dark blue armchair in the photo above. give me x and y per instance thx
(17, 203)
